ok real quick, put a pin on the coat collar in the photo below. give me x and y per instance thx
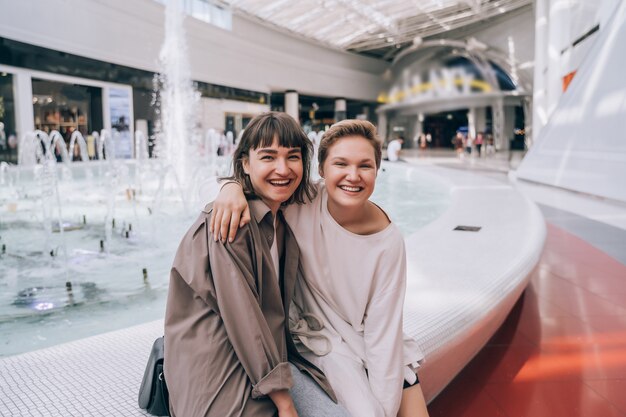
(258, 209)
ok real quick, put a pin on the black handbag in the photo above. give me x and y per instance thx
(153, 394)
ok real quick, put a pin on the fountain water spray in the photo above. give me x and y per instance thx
(4, 173)
(57, 143)
(77, 137)
(50, 196)
(177, 96)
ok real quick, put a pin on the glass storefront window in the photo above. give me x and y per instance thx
(66, 107)
(8, 134)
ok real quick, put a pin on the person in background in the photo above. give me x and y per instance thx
(469, 143)
(418, 139)
(490, 149)
(458, 142)
(479, 143)
(394, 148)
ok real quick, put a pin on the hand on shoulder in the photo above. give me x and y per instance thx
(230, 212)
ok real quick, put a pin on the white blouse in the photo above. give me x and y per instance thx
(355, 284)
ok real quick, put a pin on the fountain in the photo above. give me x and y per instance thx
(79, 236)
(76, 233)
(178, 95)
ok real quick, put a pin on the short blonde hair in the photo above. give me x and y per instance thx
(350, 127)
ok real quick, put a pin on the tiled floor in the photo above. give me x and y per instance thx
(562, 350)
(96, 376)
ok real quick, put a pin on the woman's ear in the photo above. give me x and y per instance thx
(245, 163)
(320, 170)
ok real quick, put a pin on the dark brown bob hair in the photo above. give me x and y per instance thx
(261, 132)
(349, 127)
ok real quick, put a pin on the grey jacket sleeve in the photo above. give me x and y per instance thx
(232, 267)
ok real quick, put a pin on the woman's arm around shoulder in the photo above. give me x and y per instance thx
(230, 212)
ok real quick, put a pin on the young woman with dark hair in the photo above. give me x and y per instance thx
(228, 350)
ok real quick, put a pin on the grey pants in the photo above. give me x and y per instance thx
(310, 400)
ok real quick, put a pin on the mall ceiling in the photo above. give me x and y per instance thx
(378, 28)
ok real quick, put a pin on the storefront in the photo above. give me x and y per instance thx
(443, 87)
(52, 102)
(50, 90)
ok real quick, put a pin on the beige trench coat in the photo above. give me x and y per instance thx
(227, 343)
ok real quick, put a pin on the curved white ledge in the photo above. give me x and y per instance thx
(462, 285)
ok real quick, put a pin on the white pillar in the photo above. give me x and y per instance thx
(471, 122)
(382, 126)
(292, 104)
(24, 113)
(341, 112)
(238, 124)
(529, 134)
(509, 126)
(497, 123)
(558, 40)
(418, 130)
(480, 119)
(540, 106)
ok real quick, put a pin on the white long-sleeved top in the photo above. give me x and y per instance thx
(355, 284)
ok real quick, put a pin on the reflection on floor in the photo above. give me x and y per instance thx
(561, 351)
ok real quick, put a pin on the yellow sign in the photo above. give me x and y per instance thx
(446, 82)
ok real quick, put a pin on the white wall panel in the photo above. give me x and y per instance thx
(214, 111)
(520, 27)
(252, 56)
(583, 145)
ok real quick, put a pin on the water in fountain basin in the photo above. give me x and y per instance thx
(108, 290)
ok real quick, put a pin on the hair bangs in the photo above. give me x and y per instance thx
(276, 130)
(261, 132)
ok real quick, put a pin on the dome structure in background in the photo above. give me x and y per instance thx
(462, 77)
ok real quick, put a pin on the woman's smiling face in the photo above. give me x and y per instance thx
(275, 173)
(350, 172)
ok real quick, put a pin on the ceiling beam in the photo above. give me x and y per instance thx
(367, 12)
